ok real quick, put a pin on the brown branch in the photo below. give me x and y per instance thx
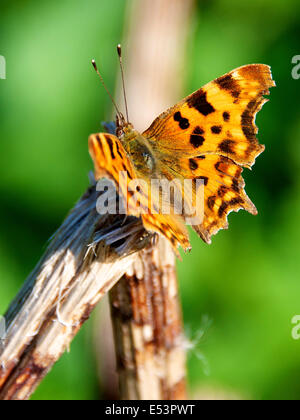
(87, 256)
(148, 328)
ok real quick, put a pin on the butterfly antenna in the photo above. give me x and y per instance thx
(105, 87)
(119, 49)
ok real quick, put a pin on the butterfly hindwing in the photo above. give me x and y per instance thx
(171, 227)
(223, 191)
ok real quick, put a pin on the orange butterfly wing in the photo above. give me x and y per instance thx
(211, 135)
(110, 160)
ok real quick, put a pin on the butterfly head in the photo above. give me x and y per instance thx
(123, 127)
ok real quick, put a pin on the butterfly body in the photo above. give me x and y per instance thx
(206, 138)
(139, 150)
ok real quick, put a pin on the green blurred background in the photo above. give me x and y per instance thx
(244, 289)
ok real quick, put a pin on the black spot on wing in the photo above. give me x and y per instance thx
(126, 170)
(216, 129)
(193, 164)
(196, 138)
(226, 116)
(226, 146)
(211, 202)
(111, 146)
(248, 119)
(183, 122)
(118, 151)
(198, 130)
(99, 142)
(177, 116)
(222, 208)
(235, 185)
(228, 83)
(231, 204)
(222, 191)
(199, 101)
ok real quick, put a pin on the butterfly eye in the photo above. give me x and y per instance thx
(120, 133)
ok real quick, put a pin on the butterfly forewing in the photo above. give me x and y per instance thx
(210, 135)
(218, 118)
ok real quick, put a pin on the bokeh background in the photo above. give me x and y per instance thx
(239, 294)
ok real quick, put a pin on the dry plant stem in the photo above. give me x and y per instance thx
(60, 294)
(145, 306)
(148, 328)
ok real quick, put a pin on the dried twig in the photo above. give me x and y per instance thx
(87, 256)
(148, 328)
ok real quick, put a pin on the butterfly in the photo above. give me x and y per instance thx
(204, 141)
